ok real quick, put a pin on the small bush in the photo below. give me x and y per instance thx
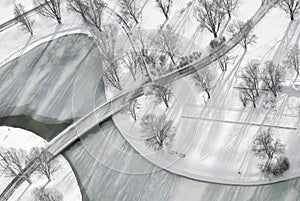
(278, 167)
(217, 42)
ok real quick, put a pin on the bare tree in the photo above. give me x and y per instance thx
(23, 18)
(49, 8)
(290, 7)
(160, 131)
(164, 6)
(130, 9)
(168, 42)
(210, 15)
(229, 6)
(293, 59)
(12, 164)
(243, 98)
(248, 37)
(132, 61)
(203, 80)
(132, 107)
(251, 74)
(273, 77)
(107, 44)
(111, 76)
(47, 165)
(265, 147)
(250, 84)
(142, 38)
(161, 93)
(91, 11)
(47, 194)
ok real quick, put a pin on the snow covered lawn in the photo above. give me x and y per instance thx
(63, 180)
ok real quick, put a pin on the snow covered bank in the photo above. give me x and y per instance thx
(63, 180)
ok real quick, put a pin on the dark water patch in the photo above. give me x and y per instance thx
(44, 130)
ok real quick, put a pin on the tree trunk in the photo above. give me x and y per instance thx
(136, 21)
(215, 34)
(166, 15)
(172, 58)
(208, 94)
(58, 20)
(166, 103)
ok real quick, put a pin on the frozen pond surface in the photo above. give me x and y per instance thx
(58, 81)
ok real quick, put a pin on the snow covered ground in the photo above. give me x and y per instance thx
(63, 180)
(208, 148)
(216, 137)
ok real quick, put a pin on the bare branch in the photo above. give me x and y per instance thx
(203, 80)
(132, 61)
(250, 84)
(210, 15)
(164, 6)
(161, 93)
(12, 163)
(132, 107)
(293, 59)
(229, 6)
(91, 11)
(130, 9)
(160, 131)
(47, 165)
(290, 7)
(245, 28)
(273, 77)
(50, 9)
(22, 18)
(111, 76)
(168, 42)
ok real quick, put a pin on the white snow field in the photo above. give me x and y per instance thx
(216, 135)
(63, 180)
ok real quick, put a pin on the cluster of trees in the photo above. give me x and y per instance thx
(271, 80)
(91, 11)
(159, 129)
(47, 8)
(130, 9)
(13, 163)
(271, 152)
